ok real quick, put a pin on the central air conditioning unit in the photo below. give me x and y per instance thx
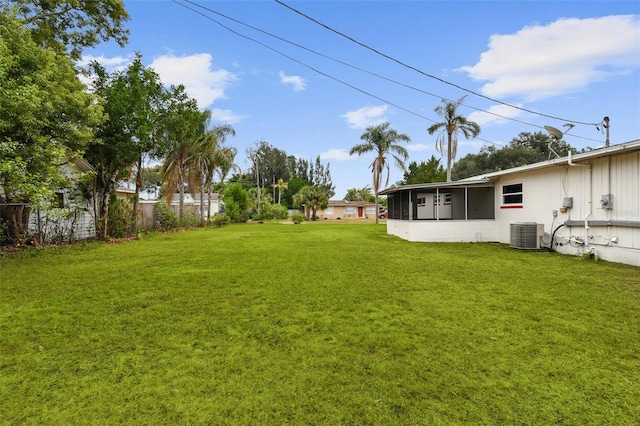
(526, 235)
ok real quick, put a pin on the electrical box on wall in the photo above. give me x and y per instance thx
(607, 201)
(567, 202)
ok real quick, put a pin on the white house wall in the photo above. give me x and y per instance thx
(545, 189)
(452, 231)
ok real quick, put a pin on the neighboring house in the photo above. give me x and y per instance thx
(586, 203)
(193, 204)
(342, 209)
(71, 218)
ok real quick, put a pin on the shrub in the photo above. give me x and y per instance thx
(297, 217)
(219, 220)
(164, 217)
(119, 224)
(280, 212)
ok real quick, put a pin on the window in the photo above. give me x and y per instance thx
(371, 210)
(328, 210)
(349, 210)
(59, 200)
(512, 195)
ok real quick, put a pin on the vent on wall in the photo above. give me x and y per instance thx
(526, 235)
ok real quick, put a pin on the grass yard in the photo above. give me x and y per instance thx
(315, 324)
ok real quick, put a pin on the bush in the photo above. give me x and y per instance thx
(189, 219)
(280, 212)
(273, 211)
(164, 217)
(119, 224)
(219, 220)
(297, 217)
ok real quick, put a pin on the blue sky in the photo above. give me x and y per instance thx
(577, 61)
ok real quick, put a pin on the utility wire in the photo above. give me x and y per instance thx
(302, 63)
(427, 74)
(341, 62)
(354, 66)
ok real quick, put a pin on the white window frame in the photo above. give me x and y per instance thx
(513, 192)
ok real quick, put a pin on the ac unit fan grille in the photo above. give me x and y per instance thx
(525, 236)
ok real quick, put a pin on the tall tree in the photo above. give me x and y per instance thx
(449, 128)
(280, 186)
(183, 124)
(132, 101)
(526, 148)
(71, 25)
(46, 117)
(431, 171)
(384, 142)
(219, 161)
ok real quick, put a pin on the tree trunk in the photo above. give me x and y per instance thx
(202, 199)
(17, 217)
(134, 219)
(102, 227)
(377, 209)
(448, 157)
(210, 195)
(181, 193)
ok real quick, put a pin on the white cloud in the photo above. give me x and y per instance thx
(335, 154)
(196, 74)
(365, 117)
(565, 56)
(116, 63)
(497, 114)
(225, 116)
(417, 147)
(295, 81)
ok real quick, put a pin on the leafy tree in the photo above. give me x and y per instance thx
(359, 194)
(322, 177)
(293, 186)
(63, 25)
(431, 171)
(313, 198)
(449, 128)
(526, 148)
(46, 118)
(132, 101)
(383, 141)
(152, 180)
(236, 202)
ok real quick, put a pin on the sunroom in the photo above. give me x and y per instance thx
(443, 211)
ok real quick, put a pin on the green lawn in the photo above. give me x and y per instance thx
(315, 324)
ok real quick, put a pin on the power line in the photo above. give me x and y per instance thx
(425, 73)
(338, 61)
(354, 66)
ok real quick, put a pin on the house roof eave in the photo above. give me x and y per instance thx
(433, 185)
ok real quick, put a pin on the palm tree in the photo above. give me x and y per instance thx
(312, 198)
(213, 156)
(384, 142)
(452, 124)
(280, 186)
(181, 126)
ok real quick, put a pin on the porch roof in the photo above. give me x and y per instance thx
(437, 185)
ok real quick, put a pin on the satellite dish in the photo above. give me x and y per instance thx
(555, 133)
